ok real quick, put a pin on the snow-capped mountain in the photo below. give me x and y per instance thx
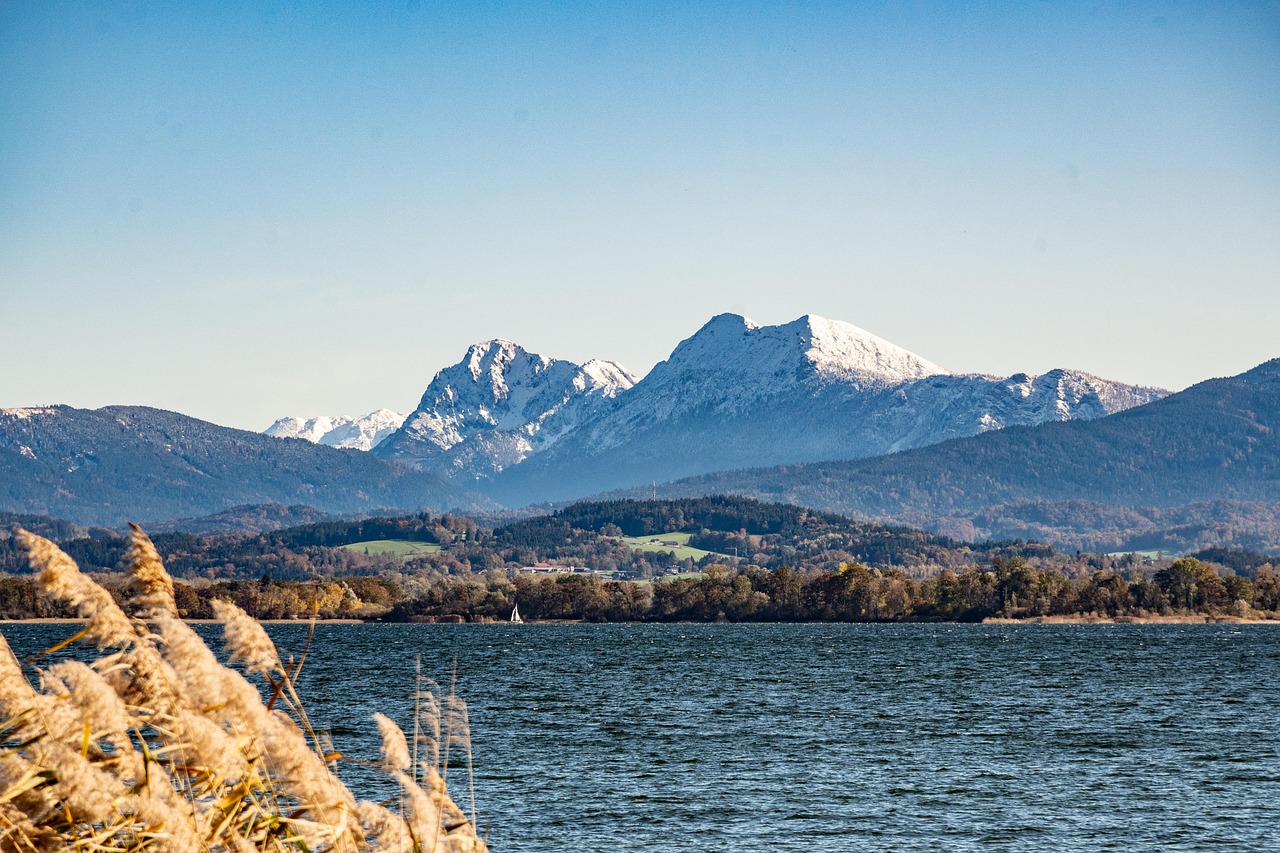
(731, 365)
(499, 405)
(733, 395)
(362, 433)
(738, 395)
(732, 352)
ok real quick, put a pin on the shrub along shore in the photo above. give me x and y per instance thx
(1009, 588)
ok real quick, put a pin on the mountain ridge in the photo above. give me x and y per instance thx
(135, 463)
(360, 433)
(526, 427)
(1218, 440)
(736, 394)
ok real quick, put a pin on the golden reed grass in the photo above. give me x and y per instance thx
(156, 746)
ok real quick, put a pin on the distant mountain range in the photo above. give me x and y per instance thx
(736, 394)
(1206, 457)
(524, 428)
(813, 412)
(131, 463)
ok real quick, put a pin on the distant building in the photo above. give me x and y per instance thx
(548, 569)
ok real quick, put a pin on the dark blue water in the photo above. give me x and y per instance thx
(833, 737)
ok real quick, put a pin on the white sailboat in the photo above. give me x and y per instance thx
(515, 615)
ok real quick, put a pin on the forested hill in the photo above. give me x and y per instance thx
(1219, 439)
(726, 513)
(764, 533)
(58, 529)
(132, 463)
(731, 530)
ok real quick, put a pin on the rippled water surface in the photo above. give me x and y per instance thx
(833, 737)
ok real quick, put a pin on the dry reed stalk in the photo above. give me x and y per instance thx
(431, 814)
(384, 828)
(59, 577)
(159, 747)
(459, 732)
(247, 642)
(150, 586)
(138, 672)
(395, 748)
(426, 723)
(229, 700)
(20, 835)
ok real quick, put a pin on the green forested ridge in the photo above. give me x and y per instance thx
(767, 534)
(296, 553)
(245, 518)
(719, 512)
(586, 535)
(51, 528)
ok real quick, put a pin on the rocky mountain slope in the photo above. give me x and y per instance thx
(131, 463)
(362, 433)
(498, 406)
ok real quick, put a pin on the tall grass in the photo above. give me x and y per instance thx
(156, 746)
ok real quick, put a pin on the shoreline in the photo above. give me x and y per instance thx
(1084, 619)
(1080, 619)
(63, 620)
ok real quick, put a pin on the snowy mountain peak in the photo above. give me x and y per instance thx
(362, 433)
(499, 404)
(811, 346)
(498, 357)
(844, 351)
(609, 376)
(734, 394)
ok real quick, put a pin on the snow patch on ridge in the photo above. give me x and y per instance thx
(845, 352)
(23, 413)
(362, 433)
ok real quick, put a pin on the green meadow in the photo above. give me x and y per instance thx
(399, 547)
(655, 542)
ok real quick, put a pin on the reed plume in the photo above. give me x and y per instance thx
(426, 721)
(395, 747)
(247, 642)
(58, 577)
(155, 745)
(150, 586)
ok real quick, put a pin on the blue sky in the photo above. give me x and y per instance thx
(242, 211)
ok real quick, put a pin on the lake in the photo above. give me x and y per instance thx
(830, 737)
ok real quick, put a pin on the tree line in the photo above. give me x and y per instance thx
(1009, 587)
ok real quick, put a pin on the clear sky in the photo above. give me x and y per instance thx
(246, 210)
